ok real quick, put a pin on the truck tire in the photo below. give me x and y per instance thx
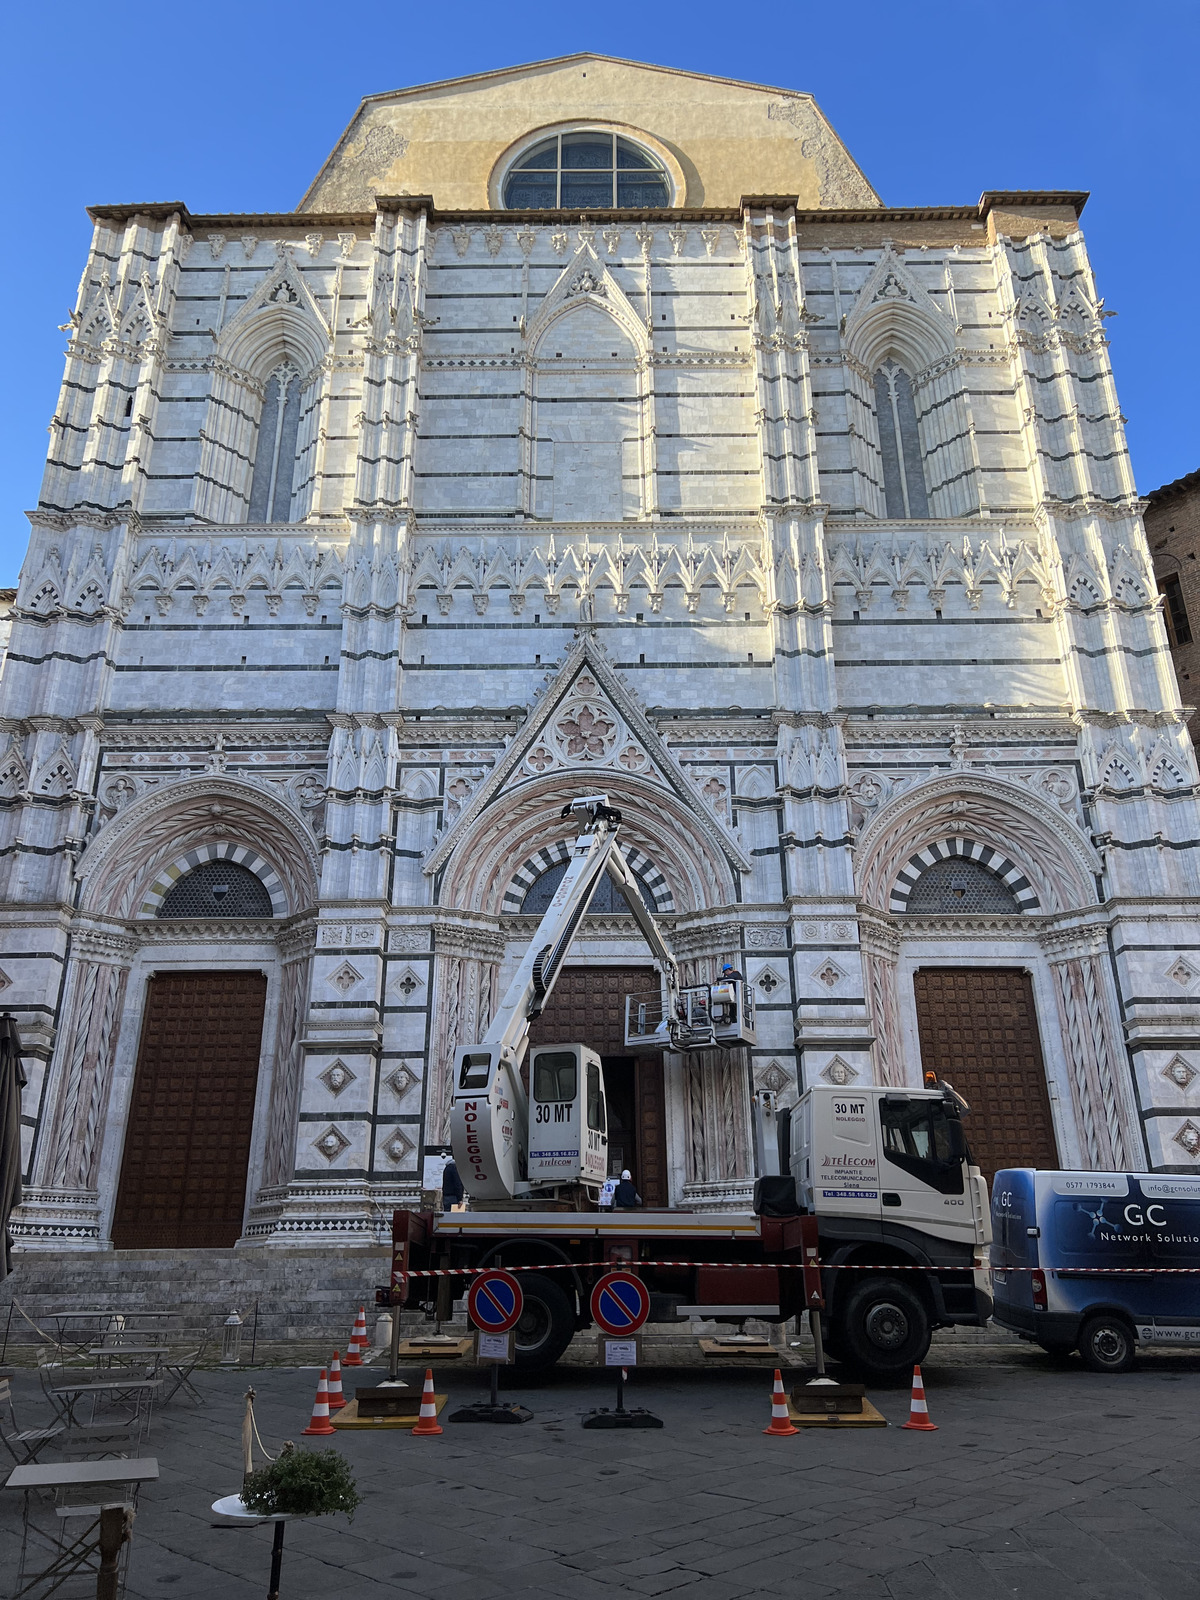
(883, 1329)
(1107, 1344)
(547, 1323)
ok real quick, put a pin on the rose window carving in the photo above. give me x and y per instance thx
(586, 733)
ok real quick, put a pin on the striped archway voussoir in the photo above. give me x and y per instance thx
(554, 855)
(240, 855)
(1005, 869)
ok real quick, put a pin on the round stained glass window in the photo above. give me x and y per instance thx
(586, 171)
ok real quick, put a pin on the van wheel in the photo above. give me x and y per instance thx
(1107, 1344)
(547, 1323)
(883, 1329)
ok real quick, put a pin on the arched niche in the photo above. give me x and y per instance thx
(130, 859)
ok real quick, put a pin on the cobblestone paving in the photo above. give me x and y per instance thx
(1043, 1482)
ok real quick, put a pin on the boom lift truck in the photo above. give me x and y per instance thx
(874, 1177)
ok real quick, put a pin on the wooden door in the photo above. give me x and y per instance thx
(587, 1006)
(978, 1030)
(187, 1142)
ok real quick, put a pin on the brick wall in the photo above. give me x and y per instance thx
(1173, 533)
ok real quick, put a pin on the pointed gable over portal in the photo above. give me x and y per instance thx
(589, 734)
(720, 139)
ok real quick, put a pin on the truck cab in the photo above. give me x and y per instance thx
(893, 1157)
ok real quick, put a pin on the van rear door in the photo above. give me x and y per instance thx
(1014, 1244)
(1168, 1310)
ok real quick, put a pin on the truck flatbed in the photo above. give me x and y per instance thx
(598, 1224)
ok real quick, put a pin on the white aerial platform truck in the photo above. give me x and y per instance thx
(876, 1178)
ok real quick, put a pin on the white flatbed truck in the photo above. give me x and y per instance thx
(879, 1180)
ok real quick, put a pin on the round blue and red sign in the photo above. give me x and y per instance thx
(495, 1301)
(620, 1303)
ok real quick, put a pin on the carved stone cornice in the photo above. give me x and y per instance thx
(932, 730)
(707, 939)
(105, 944)
(249, 930)
(232, 734)
(475, 943)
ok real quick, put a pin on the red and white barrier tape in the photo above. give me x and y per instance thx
(795, 1266)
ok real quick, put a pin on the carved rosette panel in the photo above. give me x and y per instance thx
(586, 731)
(286, 1077)
(1088, 1032)
(83, 1072)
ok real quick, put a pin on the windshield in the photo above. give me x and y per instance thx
(555, 1076)
(917, 1138)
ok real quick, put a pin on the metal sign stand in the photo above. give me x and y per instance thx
(620, 1305)
(494, 1304)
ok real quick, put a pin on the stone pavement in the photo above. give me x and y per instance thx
(1043, 1482)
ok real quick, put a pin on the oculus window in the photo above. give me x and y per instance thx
(586, 172)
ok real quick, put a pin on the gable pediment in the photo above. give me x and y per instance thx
(588, 728)
(445, 139)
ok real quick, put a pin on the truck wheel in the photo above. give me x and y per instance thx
(547, 1323)
(883, 1329)
(1106, 1344)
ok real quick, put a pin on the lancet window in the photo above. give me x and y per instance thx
(275, 457)
(900, 443)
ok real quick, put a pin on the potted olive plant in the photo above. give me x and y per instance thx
(299, 1483)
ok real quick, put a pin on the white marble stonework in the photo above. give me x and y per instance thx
(565, 503)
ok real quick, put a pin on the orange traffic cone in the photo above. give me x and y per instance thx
(918, 1415)
(358, 1340)
(427, 1422)
(336, 1398)
(320, 1418)
(781, 1424)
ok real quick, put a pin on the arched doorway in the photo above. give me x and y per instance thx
(978, 1031)
(187, 1139)
(587, 1005)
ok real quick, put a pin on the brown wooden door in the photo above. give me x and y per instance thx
(978, 1030)
(587, 1006)
(187, 1143)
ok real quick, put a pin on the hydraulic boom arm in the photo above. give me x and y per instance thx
(490, 1116)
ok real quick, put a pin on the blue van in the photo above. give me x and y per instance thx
(1058, 1240)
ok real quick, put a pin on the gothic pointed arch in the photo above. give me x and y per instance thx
(126, 866)
(280, 321)
(259, 432)
(585, 285)
(588, 732)
(895, 316)
(509, 832)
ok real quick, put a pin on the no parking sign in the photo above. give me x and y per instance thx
(620, 1303)
(495, 1301)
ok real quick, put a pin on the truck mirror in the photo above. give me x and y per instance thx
(956, 1138)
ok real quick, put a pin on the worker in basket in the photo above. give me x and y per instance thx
(625, 1196)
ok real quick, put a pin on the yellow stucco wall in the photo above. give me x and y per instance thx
(724, 139)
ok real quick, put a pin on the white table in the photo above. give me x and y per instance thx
(114, 1483)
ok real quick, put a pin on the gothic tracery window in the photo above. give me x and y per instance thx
(900, 443)
(275, 456)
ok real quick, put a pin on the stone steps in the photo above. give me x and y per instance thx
(299, 1294)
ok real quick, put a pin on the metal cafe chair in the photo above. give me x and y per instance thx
(23, 1444)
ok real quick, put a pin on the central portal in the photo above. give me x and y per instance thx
(587, 1006)
(187, 1141)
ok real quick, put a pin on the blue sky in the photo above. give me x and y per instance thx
(234, 107)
